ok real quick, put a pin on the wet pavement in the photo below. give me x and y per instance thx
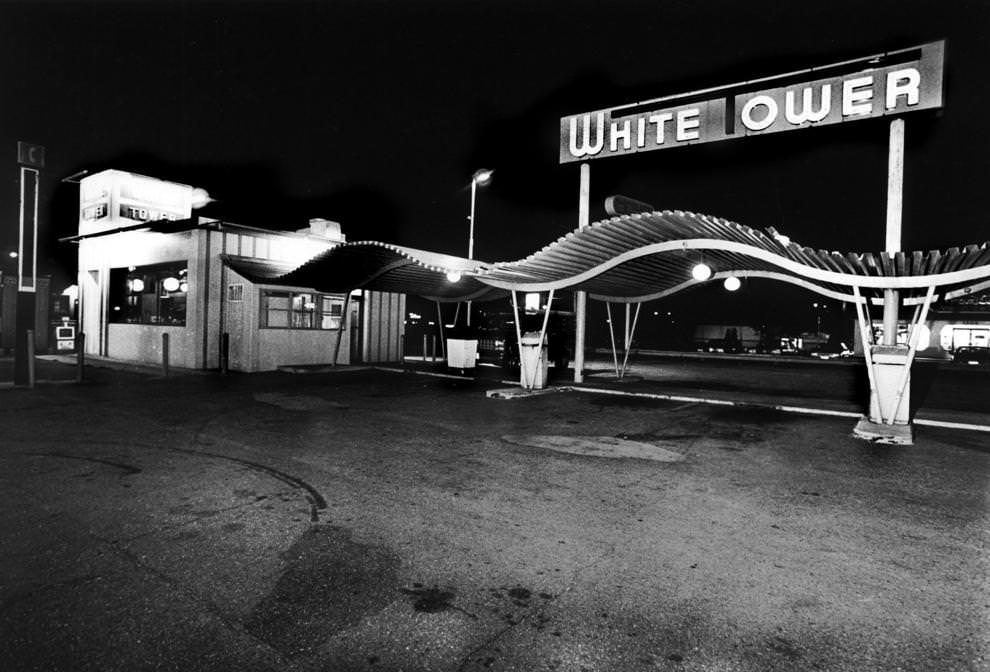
(375, 520)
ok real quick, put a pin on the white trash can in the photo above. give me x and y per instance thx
(533, 360)
(462, 353)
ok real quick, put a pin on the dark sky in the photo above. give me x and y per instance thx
(376, 113)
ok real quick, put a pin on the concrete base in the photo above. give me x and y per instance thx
(901, 435)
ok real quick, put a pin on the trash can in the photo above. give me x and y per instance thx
(533, 356)
(462, 353)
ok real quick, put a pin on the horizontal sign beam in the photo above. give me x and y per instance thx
(887, 84)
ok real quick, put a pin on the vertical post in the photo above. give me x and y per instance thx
(27, 268)
(895, 197)
(164, 354)
(224, 352)
(474, 192)
(30, 358)
(581, 298)
(345, 311)
(80, 356)
(424, 347)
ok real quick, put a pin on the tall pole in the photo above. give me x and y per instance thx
(581, 298)
(895, 194)
(474, 193)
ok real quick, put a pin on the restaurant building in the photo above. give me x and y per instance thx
(157, 281)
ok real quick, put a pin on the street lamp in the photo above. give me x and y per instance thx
(479, 179)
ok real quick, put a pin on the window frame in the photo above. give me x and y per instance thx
(321, 317)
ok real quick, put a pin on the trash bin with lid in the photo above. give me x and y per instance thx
(533, 359)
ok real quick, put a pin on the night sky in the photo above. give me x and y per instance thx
(376, 113)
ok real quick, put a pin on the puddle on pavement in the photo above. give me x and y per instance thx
(331, 583)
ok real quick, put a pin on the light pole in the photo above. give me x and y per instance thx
(479, 179)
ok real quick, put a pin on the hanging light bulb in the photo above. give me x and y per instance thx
(701, 272)
(731, 283)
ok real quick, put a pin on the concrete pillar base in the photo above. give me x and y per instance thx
(901, 435)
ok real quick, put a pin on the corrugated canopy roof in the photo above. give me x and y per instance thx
(639, 257)
(379, 267)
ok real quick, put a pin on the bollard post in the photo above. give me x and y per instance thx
(80, 356)
(224, 352)
(424, 347)
(164, 354)
(30, 358)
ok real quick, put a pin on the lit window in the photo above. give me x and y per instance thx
(149, 294)
(300, 310)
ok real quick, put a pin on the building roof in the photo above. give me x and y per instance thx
(638, 257)
(380, 267)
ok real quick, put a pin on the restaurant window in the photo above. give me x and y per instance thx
(300, 310)
(153, 294)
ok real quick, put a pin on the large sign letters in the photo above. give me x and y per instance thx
(887, 84)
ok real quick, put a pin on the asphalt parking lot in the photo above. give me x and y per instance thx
(376, 520)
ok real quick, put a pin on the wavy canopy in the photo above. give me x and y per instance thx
(645, 256)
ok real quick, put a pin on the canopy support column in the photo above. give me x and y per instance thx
(611, 333)
(519, 346)
(443, 341)
(889, 419)
(919, 319)
(630, 333)
(341, 328)
(630, 330)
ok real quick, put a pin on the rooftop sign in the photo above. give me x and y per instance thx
(886, 84)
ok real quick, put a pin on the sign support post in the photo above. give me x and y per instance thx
(891, 363)
(31, 158)
(581, 298)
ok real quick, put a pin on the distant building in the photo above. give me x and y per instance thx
(148, 268)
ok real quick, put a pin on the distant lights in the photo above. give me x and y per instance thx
(732, 283)
(701, 272)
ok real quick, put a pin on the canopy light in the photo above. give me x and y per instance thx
(453, 276)
(170, 284)
(701, 272)
(731, 283)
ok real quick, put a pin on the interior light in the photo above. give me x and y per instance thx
(732, 283)
(183, 286)
(170, 284)
(136, 285)
(453, 276)
(701, 272)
